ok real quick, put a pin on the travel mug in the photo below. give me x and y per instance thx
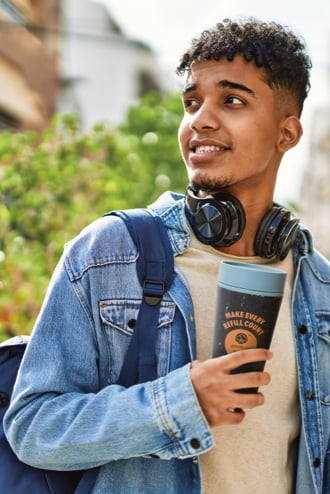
(249, 297)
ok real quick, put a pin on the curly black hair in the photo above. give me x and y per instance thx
(273, 47)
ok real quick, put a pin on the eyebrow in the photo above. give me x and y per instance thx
(224, 83)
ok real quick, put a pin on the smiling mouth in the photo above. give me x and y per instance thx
(210, 148)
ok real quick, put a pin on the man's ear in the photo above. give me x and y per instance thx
(290, 133)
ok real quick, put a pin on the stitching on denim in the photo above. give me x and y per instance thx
(161, 412)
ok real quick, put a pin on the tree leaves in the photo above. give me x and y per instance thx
(52, 185)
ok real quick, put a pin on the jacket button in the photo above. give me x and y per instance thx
(4, 399)
(317, 462)
(310, 395)
(195, 443)
(302, 329)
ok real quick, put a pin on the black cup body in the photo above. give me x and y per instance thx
(244, 321)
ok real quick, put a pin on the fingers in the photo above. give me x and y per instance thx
(215, 385)
(232, 416)
(248, 380)
(236, 359)
(230, 409)
(246, 401)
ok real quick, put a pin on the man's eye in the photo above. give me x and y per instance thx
(234, 100)
(189, 103)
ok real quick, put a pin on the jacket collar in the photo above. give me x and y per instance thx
(170, 208)
(304, 242)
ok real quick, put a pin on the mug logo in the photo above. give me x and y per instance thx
(240, 339)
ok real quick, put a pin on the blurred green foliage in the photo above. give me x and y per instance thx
(52, 185)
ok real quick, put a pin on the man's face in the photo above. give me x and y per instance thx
(230, 130)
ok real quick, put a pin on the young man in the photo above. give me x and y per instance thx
(189, 431)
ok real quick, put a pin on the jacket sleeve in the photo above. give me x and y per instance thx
(60, 417)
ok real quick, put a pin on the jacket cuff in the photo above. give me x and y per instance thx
(179, 414)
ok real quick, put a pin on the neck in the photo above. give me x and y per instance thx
(254, 212)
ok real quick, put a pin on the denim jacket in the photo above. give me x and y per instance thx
(67, 411)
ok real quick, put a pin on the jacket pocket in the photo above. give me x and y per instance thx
(118, 321)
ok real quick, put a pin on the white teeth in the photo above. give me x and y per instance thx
(207, 149)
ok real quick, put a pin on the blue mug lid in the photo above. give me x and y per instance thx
(252, 278)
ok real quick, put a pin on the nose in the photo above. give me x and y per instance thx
(205, 118)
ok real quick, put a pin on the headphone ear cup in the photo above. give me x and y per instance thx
(276, 233)
(235, 220)
(288, 237)
(208, 224)
(217, 220)
(264, 236)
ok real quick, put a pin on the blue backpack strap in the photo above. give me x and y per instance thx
(155, 270)
(87, 481)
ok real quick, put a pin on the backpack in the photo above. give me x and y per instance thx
(155, 270)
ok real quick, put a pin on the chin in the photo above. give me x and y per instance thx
(209, 184)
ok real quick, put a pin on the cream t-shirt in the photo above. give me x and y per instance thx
(257, 456)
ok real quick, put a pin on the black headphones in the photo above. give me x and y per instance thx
(219, 220)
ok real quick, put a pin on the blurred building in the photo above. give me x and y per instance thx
(103, 70)
(315, 190)
(67, 56)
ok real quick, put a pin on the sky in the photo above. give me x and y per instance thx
(169, 25)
